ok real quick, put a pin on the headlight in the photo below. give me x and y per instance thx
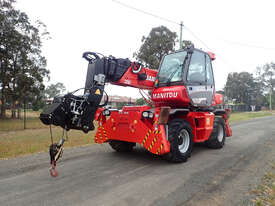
(145, 114)
(148, 114)
(106, 112)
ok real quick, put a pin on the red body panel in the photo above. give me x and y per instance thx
(212, 56)
(131, 79)
(218, 98)
(173, 96)
(227, 127)
(201, 123)
(129, 125)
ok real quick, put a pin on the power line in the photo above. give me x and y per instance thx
(196, 37)
(162, 18)
(173, 22)
(145, 12)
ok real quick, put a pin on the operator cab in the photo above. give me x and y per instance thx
(192, 69)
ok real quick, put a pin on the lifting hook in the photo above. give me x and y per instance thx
(56, 151)
(53, 170)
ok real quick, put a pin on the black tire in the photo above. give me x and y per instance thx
(217, 137)
(180, 137)
(121, 146)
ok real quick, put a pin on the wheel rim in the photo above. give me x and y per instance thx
(184, 140)
(220, 133)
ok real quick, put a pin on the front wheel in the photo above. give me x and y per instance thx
(217, 138)
(180, 137)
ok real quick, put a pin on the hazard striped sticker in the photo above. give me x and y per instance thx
(159, 149)
(152, 143)
(157, 132)
(146, 137)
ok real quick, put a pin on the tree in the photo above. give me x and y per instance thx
(158, 43)
(54, 90)
(187, 43)
(266, 77)
(243, 88)
(141, 101)
(38, 103)
(23, 68)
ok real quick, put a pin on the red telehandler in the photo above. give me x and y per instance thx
(181, 113)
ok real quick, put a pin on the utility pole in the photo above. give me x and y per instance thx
(25, 113)
(270, 99)
(181, 27)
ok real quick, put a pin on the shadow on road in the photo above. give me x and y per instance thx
(140, 154)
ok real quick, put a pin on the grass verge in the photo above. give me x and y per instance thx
(15, 143)
(235, 117)
(18, 124)
(265, 192)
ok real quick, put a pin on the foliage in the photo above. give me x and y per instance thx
(141, 101)
(38, 103)
(121, 104)
(23, 68)
(158, 43)
(243, 88)
(265, 76)
(54, 90)
(187, 43)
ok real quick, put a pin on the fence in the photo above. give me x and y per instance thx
(29, 120)
(240, 108)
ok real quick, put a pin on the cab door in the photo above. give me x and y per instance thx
(210, 83)
(199, 79)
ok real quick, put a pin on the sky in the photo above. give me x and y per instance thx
(240, 33)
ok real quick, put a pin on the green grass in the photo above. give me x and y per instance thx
(265, 192)
(14, 143)
(18, 124)
(32, 122)
(235, 117)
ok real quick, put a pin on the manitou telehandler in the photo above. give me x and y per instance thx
(181, 110)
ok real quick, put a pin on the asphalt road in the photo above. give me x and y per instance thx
(96, 175)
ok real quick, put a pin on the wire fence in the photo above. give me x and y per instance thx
(29, 119)
(240, 108)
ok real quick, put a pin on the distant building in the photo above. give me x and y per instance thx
(113, 101)
(117, 101)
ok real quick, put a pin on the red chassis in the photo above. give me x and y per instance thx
(129, 125)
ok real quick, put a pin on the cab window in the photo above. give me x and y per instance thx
(171, 69)
(196, 72)
(209, 72)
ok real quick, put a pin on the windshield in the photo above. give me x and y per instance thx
(171, 69)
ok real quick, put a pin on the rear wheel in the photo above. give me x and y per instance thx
(180, 137)
(121, 146)
(217, 138)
